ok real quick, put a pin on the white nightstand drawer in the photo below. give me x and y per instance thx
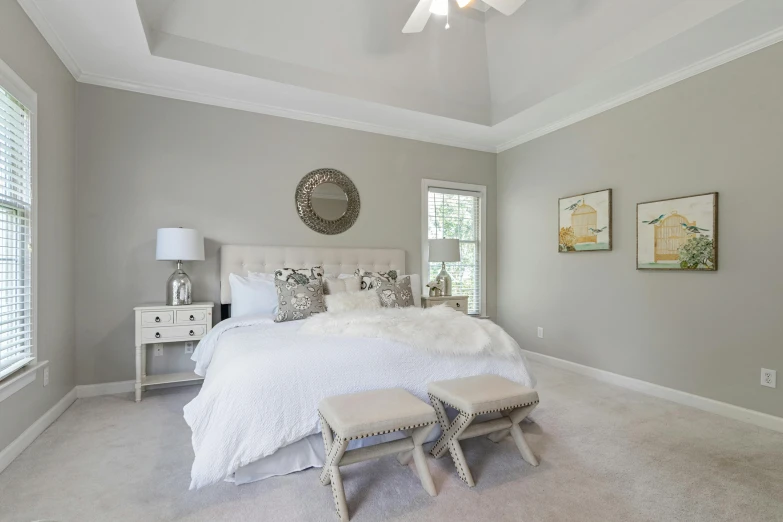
(172, 332)
(457, 304)
(191, 316)
(154, 318)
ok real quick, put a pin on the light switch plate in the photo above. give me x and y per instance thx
(46, 376)
(540, 333)
(157, 350)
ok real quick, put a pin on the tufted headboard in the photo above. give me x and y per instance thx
(239, 259)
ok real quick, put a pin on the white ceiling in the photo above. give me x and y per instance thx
(488, 83)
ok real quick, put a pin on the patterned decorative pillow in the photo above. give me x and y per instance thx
(301, 276)
(394, 294)
(368, 278)
(295, 301)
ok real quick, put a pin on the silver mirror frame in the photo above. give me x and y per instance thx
(304, 205)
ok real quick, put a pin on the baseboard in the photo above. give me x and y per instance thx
(756, 418)
(13, 450)
(105, 388)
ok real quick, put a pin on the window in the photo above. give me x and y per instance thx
(16, 236)
(457, 211)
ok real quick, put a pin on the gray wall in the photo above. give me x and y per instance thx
(703, 333)
(23, 48)
(147, 162)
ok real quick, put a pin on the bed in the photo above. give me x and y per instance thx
(255, 416)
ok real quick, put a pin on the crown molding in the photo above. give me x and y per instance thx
(242, 105)
(699, 67)
(39, 20)
(50, 35)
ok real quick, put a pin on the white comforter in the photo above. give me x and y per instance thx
(263, 382)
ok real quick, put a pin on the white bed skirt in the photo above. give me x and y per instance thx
(309, 453)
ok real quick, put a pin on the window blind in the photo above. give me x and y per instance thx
(456, 214)
(16, 311)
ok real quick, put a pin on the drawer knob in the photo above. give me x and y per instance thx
(191, 333)
(157, 319)
(157, 335)
(192, 318)
(458, 305)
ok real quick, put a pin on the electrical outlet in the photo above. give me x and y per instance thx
(540, 333)
(157, 350)
(769, 378)
(189, 346)
(46, 376)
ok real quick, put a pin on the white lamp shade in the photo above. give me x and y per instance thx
(179, 244)
(444, 250)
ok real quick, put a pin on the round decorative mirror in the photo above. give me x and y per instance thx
(327, 201)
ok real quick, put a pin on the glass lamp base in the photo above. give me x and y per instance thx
(178, 288)
(446, 278)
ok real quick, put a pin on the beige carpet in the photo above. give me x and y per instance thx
(607, 454)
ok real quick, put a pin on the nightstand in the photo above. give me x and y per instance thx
(168, 324)
(457, 302)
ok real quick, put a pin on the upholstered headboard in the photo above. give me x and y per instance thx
(239, 259)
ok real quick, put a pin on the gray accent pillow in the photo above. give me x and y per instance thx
(368, 278)
(394, 294)
(295, 301)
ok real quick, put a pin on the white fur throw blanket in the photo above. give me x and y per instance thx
(440, 330)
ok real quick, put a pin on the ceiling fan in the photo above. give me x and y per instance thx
(425, 8)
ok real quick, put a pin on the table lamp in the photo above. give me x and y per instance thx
(179, 244)
(444, 251)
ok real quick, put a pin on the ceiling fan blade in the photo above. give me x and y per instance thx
(419, 18)
(507, 7)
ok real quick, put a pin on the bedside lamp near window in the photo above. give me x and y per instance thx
(179, 244)
(444, 251)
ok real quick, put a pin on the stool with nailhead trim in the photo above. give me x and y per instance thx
(474, 396)
(359, 415)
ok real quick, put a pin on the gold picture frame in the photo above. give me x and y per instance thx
(584, 222)
(678, 234)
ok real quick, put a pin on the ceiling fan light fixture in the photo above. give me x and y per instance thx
(440, 7)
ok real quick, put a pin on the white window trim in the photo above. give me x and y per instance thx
(425, 247)
(18, 88)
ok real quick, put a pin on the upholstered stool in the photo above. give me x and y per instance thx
(348, 417)
(474, 396)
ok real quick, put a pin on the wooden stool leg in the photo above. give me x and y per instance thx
(516, 417)
(498, 435)
(331, 471)
(405, 457)
(419, 436)
(449, 439)
(462, 465)
(333, 459)
(524, 449)
(338, 492)
(326, 433)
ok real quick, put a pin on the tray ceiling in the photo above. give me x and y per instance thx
(488, 83)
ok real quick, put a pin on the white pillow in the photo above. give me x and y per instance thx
(347, 301)
(252, 296)
(261, 276)
(340, 284)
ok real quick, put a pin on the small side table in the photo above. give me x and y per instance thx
(457, 302)
(168, 324)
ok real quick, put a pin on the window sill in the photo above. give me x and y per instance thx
(19, 380)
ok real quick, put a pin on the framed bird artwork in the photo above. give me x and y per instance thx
(678, 234)
(585, 222)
